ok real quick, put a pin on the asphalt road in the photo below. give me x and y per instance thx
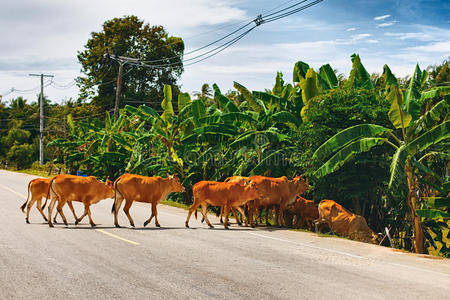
(173, 262)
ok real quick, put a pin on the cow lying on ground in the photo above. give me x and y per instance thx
(68, 188)
(278, 193)
(344, 222)
(301, 213)
(143, 189)
(226, 194)
(38, 189)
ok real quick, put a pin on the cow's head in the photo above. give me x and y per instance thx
(109, 193)
(301, 185)
(176, 184)
(252, 188)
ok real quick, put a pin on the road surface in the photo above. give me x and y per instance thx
(174, 262)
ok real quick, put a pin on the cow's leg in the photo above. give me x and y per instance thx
(226, 211)
(191, 210)
(241, 212)
(221, 215)
(267, 210)
(39, 208)
(117, 203)
(233, 210)
(29, 206)
(60, 211)
(50, 209)
(83, 215)
(72, 209)
(280, 212)
(205, 213)
(54, 218)
(88, 210)
(126, 209)
(154, 214)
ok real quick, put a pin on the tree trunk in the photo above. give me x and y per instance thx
(413, 199)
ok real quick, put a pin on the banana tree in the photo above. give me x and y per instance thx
(418, 136)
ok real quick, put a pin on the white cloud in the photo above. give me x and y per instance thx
(351, 29)
(360, 36)
(422, 33)
(372, 41)
(386, 24)
(380, 18)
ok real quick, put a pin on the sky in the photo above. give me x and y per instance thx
(45, 35)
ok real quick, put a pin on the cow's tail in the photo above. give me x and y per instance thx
(28, 197)
(113, 208)
(48, 192)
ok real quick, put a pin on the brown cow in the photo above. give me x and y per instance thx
(226, 194)
(87, 190)
(303, 212)
(143, 189)
(278, 192)
(38, 189)
(345, 223)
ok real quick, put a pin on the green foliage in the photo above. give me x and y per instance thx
(21, 155)
(131, 37)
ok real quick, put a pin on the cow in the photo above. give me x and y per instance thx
(143, 189)
(68, 188)
(278, 193)
(302, 212)
(38, 189)
(345, 223)
(226, 194)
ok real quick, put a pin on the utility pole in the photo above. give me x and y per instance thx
(41, 118)
(122, 60)
(118, 89)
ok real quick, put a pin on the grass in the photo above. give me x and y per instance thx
(175, 204)
(37, 172)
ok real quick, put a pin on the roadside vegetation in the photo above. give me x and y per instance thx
(376, 144)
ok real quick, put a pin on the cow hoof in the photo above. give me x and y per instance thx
(117, 225)
(54, 221)
(157, 225)
(146, 223)
(65, 223)
(211, 227)
(50, 225)
(132, 225)
(93, 225)
(76, 222)
(28, 222)
(221, 221)
(46, 220)
(227, 228)
(186, 224)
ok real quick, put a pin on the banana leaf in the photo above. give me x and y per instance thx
(346, 136)
(346, 154)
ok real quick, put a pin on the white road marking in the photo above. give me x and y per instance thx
(117, 237)
(346, 254)
(13, 191)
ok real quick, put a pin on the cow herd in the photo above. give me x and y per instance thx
(247, 195)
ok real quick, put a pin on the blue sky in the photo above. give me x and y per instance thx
(45, 35)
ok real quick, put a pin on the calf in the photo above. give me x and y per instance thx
(226, 194)
(68, 188)
(138, 188)
(303, 212)
(345, 223)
